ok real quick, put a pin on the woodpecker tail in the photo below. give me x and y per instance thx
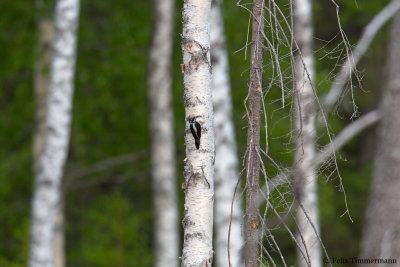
(197, 142)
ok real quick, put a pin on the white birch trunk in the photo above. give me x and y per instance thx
(166, 235)
(226, 162)
(305, 112)
(199, 163)
(42, 81)
(47, 190)
(382, 222)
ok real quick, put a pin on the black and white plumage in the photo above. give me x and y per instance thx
(195, 128)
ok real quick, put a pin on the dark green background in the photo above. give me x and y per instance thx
(109, 223)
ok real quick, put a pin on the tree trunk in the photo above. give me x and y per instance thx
(199, 163)
(305, 113)
(166, 235)
(47, 190)
(251, 251)
(59, 235)
(226, 163)
(41, 86)
(382, 225)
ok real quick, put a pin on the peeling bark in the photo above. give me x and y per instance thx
(226, 163)
(382, 225)
(47, 188)
(305, 113)
(199, 163)
(252, 227)
(166, 235)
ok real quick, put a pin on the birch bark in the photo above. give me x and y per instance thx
(305, 113)
(199, 163)
(226, 162)
(252, 231)
(47, 188)
(162, 136)
(382, 224)
(41, 85)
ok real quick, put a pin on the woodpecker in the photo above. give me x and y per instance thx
(195, 128)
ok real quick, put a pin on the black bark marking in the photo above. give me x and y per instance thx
(194, 235)
(198, 55)
(187, 222)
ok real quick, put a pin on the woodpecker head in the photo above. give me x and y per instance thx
(192, 118)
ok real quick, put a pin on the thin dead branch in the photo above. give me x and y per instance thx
(103, 165)
(352, 60)
(329, 150)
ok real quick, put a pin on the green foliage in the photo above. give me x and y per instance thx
(16, 124)
(111, 233)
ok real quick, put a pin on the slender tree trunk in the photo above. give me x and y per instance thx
(47, 190)
(305, 113)
(41, 86)
(162, 137)
(42, 81)
(253, 155)
(226, 163)
(382, 225)
(59, 235)
(199, 163)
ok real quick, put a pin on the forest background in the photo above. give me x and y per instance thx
(109, 210)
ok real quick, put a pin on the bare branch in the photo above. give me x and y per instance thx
(341, 139)
(346, 135)
(104, 165)
(74, 177)
(349, 66)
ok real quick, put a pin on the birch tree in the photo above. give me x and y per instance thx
(41, 87)
(47, 188)
(382, 225)
(226, 162)
(254, 98)
(166, 236)
(305, 130)
(200, 155)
